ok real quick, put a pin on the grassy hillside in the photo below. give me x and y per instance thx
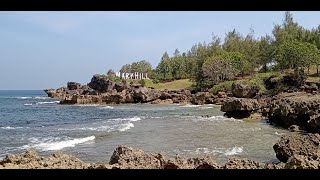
(173, 85)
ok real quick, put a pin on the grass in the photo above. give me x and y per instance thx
(255, 80)
(224, 86)
(173, 85)
(313, 79)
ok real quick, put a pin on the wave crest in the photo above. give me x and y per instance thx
(57, 145)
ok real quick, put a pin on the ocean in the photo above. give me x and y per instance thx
(30, 120)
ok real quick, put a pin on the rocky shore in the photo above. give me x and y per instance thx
(287, 102)
(295, 151)
(103, 90)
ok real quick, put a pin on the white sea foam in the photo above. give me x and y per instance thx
(106, 107)
(234, 151)
(87, 105)
(135, 118)
(126, 126)
(27, 104)
(32, 97)
(191, 105)
(48, 145)
(206, 107)
(215, 151)
(214, 118)
(10, 128)
(51, 102)
(279, 134)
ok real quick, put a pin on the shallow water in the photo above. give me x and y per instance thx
(28, 119)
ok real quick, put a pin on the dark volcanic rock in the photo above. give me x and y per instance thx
(298, 108)
(101, 83)
(240, 104)
(297, 144)
(73, 85)
(143, 94)
(243, 91)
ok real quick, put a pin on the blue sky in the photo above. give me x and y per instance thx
(41, 50)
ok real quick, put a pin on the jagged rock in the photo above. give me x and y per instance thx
(272, 82)
(294, 128)
(177, 162)
(203, 98)
(73, 85)
(31, 160)
(143, 94)
(302, 162)
(101, 83)
(297, 108)
(240, 104)
(298, 144)
(131, 158)
(235, 163)
(243, 91)
(279, 165)
(165, 95)
(159, 101)
(204, 162)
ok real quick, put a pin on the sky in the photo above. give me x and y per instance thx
(40, 50)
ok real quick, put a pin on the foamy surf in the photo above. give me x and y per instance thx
(135, 118)
(10, 128)
(124, 127)
(32, 97)
(234, 151)
(87, 105)
(58, 145)
(51, 102)
(223, 151)
(106, 107)
(27, 104)
(191, 105)
(214, 118)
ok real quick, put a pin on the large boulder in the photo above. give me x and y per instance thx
(298, 144)
(235, 163)
(297, 108)
(131, 158)
(179, 162)
(31, 160)
(73, 85)
(101, 83)
(303, 162)
(243, 91)
(143, 94)
(204, 98)
(240, 104)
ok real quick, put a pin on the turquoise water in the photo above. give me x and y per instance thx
(30, 120)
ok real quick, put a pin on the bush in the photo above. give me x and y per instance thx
(142, 82)
(225, 86)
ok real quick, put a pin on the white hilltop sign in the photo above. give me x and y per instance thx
(135, 75)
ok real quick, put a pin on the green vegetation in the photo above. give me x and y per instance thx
(256, 80)
(224, 86)
(215, 64)
(177, 84)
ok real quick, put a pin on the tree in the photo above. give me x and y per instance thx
(295, 55)
(164, 67)
(238, 61)
(111, 72)
(217, 70)
(266, 51)
(125, 68)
